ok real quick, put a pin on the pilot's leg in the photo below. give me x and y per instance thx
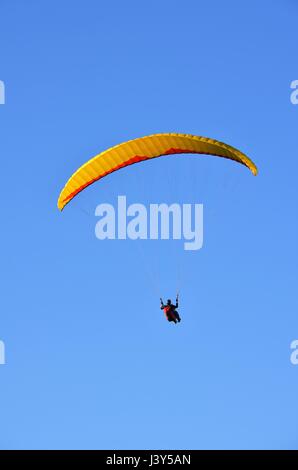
(177, 315)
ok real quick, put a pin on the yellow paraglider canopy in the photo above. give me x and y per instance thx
(144, 148)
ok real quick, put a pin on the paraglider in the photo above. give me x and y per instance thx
(142, 149)
(170, 310)
(145, 148)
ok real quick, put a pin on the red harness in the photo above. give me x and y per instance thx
(168, 311)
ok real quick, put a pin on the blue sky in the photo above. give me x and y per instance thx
(90, 360)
